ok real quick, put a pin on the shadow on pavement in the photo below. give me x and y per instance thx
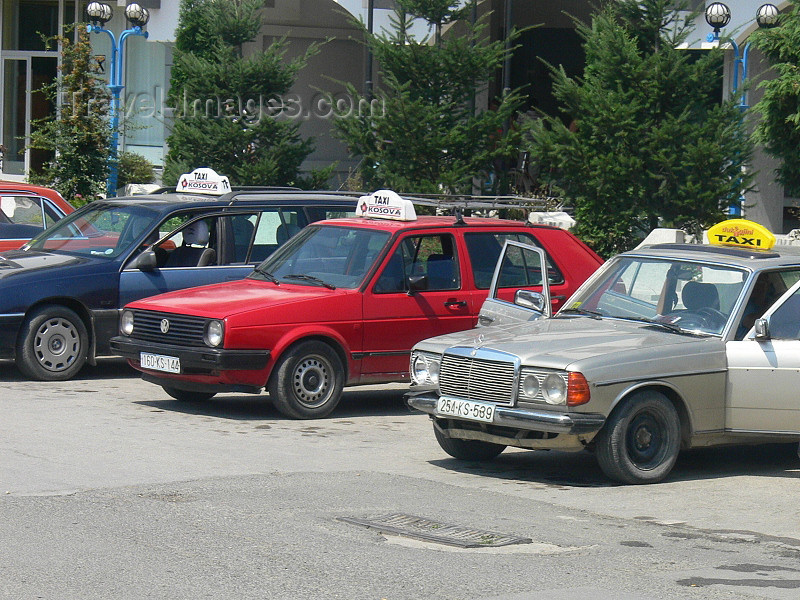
(106, 368)
(567, 469)
(355, 403)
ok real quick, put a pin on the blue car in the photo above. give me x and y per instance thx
(61, 293)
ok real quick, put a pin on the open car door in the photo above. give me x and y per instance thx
(764, 372)
(520, 289)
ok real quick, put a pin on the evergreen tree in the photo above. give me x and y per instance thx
(779, 127)
(78, 135)
(643, 141)
(421, 133)
(230, 113)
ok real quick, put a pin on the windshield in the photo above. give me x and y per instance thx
(325, 255)
(97, 230)
(692, 296)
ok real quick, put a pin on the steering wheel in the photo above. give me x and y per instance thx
(715, 319)
(703, 318)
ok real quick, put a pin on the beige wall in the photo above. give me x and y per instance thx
(340, 59)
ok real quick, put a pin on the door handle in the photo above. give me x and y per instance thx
(485, 320)
(455, 304)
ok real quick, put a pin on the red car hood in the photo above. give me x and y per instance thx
(222, 300)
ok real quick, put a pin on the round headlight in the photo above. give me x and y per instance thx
(419, 369)
(530, 386)
(126, 323)
(433, 371)
(214, 332)
(555, 389)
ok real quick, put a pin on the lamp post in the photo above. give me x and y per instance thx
(99, 14)
(718, 15)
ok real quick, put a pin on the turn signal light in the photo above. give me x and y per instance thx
(577, 390)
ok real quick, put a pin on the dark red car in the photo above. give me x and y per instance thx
(26, 210)
(342, 303)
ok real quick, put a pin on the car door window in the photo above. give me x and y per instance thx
(784, 322)
(273, 229)
(430, 259)
(484, 250)
(25, 212)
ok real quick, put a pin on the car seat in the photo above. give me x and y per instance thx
(193, 252)
(696, 295)
(242, 234)
(441, 272)
(285, 231)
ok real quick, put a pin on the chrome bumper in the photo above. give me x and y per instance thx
(520, 418)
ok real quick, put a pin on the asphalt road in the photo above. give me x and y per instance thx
(110, 489)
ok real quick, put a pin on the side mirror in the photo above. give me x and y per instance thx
(530, 299)
(417, 283)
(762, 329)
(146, 261)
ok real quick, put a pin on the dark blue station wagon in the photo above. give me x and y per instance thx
(61, 294)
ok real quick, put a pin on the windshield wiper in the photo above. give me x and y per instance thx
(668, 326)
(266, 274)
(312, 279)
(582, 311)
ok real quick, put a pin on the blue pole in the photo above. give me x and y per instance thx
(116, 86)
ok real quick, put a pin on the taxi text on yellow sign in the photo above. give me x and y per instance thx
(741, 233)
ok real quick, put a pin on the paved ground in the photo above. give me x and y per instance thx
(110, 489)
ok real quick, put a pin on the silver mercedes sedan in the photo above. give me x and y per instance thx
(667, 347)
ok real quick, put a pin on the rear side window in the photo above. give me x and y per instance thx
(484, 249)
(27, 210)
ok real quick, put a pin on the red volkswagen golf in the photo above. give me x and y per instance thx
(342, 303)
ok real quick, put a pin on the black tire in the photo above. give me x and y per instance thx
(307, 381)
(52, 344)
(475, 450)
(641, 439)
(186, 396)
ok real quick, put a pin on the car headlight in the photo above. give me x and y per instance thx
(554, 389)
(214, 333)
(530, 385)
(126, 323)
(424, 368)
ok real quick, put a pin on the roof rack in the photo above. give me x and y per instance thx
(438, 201)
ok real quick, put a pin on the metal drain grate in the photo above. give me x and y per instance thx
(434, 531)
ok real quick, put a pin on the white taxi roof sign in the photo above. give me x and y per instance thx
(386, 204)
(741, 233)
(203, 181)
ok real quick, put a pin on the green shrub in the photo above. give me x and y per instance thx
(134, 168)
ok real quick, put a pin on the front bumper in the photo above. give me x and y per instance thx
(520, 418)
(194, 360)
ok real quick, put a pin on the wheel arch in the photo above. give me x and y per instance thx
(78, 308)
(672, 394)
(336, 345)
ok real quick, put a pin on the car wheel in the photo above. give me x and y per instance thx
(186, 396)
(52, 345)
(641, 439)
(467, 449)
(307, 381)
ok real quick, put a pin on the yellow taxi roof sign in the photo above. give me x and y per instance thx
(741, 233)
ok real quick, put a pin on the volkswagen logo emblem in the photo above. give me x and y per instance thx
(164, 325)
